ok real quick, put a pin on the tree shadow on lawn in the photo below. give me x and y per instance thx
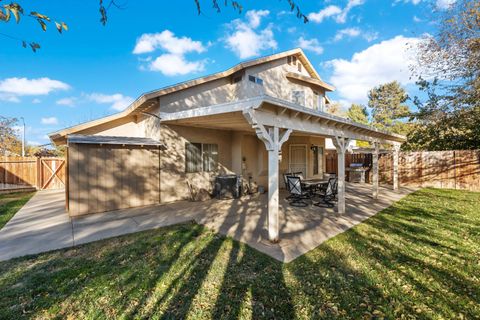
(143, 276)
(403, 261)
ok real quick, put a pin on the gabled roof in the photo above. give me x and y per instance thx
(148, 99)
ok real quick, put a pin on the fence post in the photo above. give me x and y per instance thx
(38, 173)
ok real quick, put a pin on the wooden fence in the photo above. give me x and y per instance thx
(458, 169)
(40, 173)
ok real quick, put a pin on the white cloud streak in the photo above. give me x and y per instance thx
(310, 45)
(117, 101)
(335, 12)
(49, 120)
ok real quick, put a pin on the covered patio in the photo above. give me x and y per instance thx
(274, 121)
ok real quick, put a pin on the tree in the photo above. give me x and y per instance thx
(387, 102)
(335, 109)
(16, 10)
(10, 144)
(358, 113)
(449, 116)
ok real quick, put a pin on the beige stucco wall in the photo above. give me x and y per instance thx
(276, 84)
(223, 90)
(172, 169)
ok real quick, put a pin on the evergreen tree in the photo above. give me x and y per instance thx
(387, 102)
(358, 113)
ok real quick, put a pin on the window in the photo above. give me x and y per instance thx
(289, 59)
(255, 79)
(298, 97)
(210, 157)
(200, 157)
(299, 67)
(321, 103)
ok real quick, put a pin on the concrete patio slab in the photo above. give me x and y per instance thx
(43, 224)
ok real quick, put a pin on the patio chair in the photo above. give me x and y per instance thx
(285, 175)
(328, 195)
(297, 195)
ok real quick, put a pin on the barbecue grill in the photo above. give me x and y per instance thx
(356, 172)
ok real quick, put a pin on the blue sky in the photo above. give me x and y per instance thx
(94, 70)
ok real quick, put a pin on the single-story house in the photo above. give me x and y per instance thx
(258, 119)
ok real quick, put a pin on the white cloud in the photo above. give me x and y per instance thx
(66, 101)
(342, 18)
(254, 17)
(167, 41)
(340, 15)
(118, 101)
(310, 44)
(50, 120)
(173, 61)
(172, 64)
(444, 4)
(30, 87)
(355, 32)
(348, 32)
(440, 4)
(380, 63)
(245, 41)
(9, 98)
(327, 12)
(36, 101)
(416, 19)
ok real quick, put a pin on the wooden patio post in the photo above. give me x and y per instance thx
(273, 141)
(375, 170)
(341, 144)
(396, 152)
(273, 224)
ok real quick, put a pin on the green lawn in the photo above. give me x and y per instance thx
(10, 203)
(419, 258)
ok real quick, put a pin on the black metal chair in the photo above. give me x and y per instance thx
(285, 180)
(297, 194)
(328, 195)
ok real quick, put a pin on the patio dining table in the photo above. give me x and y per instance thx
(314, 183)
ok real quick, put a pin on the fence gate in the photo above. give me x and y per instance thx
(32, 172)
(51, 173)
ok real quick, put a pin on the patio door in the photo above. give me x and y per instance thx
(298, 158)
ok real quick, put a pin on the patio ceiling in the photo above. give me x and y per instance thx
(274, 112)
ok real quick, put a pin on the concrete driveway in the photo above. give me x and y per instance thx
(43, 224)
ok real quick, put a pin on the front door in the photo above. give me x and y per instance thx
(298, 158)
